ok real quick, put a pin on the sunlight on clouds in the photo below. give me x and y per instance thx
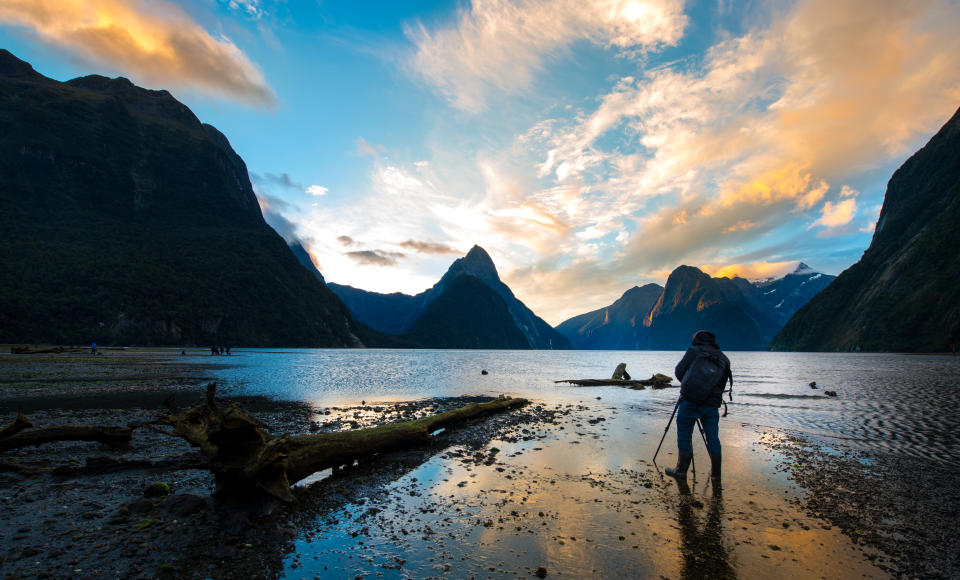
(837, 214)
(750, 139)
(156, 42)
(740, 226)
(316, 190)
(750, 271)
(499, 45)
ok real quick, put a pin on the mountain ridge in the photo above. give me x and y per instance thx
(128, 221)
(902, 295)
(399, 314)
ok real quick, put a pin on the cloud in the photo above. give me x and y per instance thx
(346, 240)
(364, 148)
(837, 214)
(750, 271)
(154, 42)
(745, 141)
(316, 190)
(271, 208)
(282, 180)
(428, 247)
(374, 257)
(499, 45)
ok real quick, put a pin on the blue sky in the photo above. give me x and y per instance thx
(589, 146)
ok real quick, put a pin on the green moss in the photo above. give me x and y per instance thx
(144, 524)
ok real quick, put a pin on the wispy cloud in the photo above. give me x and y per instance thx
(499, 45)
(756, 136)
(155, 42)
(428, 247)
(374, 257)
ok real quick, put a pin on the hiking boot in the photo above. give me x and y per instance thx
(715, 467)
(683, 461)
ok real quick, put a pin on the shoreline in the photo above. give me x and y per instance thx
(561, 485)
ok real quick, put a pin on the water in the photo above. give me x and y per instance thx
(902, 404)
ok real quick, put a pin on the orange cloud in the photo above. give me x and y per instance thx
(750, 271)
(791, 181)
(154, 42)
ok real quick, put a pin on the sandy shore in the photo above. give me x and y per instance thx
(562, 488)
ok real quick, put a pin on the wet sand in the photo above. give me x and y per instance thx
(562, 488)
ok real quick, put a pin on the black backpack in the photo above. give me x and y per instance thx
(705, 377)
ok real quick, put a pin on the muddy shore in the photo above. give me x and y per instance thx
(559, 488)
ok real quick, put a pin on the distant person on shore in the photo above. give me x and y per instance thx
(703, 373)
(93, 348)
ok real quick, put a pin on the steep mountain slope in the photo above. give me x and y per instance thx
(615, 327)
(401, 314)
(788, 294)
(467, 314)
(389, 313)
(903, 294)
(126, 220)
(692, 300)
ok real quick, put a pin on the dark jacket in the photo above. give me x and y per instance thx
(704, 341)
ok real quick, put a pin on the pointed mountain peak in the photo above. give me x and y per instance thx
(478, 263)
(11, 66)
(803, 269)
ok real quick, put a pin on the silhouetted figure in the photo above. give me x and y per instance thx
(703, 372)
(227, 350)
(93, 348)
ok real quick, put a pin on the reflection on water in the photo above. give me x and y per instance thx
(703, 547)
(579, 496)
(894, 403)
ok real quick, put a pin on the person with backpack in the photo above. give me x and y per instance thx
(703, 373)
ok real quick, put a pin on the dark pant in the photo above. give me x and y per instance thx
(687, 415)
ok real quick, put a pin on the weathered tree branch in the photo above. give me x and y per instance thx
(116, 437)
(243, 457)
(15, 426)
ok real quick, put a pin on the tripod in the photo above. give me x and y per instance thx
(667, 428)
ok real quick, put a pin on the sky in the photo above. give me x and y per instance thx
(588, 145)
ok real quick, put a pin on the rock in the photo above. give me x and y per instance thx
(185, 504)
(484, 372)
(542, 572)
(140, 506)
(661, 378)
(813, 384)
(830, 393)
(621, 373)
(157, 489)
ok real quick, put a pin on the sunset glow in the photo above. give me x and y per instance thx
(587, 146)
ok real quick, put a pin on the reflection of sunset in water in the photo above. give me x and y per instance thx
(580, 498)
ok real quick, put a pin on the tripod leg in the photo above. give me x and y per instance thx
(702, 434)
(665, 429)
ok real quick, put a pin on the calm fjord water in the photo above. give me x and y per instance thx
(886, 402)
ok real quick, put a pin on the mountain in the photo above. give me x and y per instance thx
(127, 220)
(744, 315)
(303, 256)
(692, 300)
(789, 293)
(433, 311)
(615, 327)
(903, 295)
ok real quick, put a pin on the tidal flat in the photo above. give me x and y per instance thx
(563, 487)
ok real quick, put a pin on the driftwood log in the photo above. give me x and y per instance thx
(15, 426)
(657, 381)
(116, 437)
(244, 458)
